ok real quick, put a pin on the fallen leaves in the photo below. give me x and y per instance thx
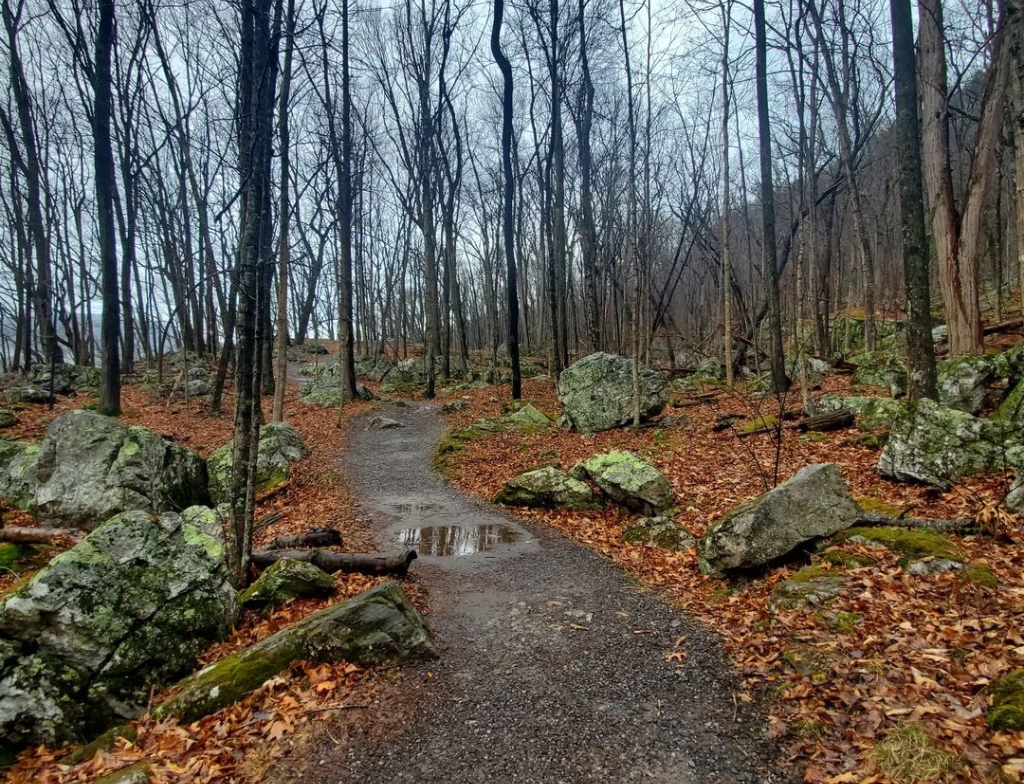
(916, 650)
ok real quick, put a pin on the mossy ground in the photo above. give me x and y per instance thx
(912, 543)
(846, 560)
(1007, 714)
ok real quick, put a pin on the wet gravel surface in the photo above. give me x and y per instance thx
(553, 663)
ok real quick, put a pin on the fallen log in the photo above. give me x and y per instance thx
(376, 627)
(330, 562)
(957, 526)
(27, 535)
(268, 519)
(315, 537)
(834, 420)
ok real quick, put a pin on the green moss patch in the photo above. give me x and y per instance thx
(759, 423)
(1007, 714)
(979, 574)
(912, 543)
(844, 559)
(878, 506)
(908, 754)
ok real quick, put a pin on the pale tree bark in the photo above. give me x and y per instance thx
(1015, 31)
(956, 231)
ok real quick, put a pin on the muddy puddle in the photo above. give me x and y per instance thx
(458, 540)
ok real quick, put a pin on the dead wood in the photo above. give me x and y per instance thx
(330, 562)
(315, 537)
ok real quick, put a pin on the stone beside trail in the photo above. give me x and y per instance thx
(89, 467)
(630, 481)
(597, 392)
(547, 488)
(130, 607)
(812, 503)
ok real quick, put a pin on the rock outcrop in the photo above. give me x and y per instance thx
(130, 607)
(963, 382)
(90, 467)
(285, 580)
(597, 392)
(811, 504)
(280, 446)
(934, 445)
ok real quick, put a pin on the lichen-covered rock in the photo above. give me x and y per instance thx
(375, 368)
(28, 393)
(659, 532)
(90, 467)
(385, 423)
(280, 446)
(315, 348)
(67, 378)
(597, 392)
(962, 382)
(285, 580)
(547, 488)
(375, 627)
(526, 418)
(1010, 413)
(932, 444)
(130, 607)
(810, 587)
(873, 413)
(630, 481)
(136, 773)
(453, 406)
(811, 504)
(881, 369)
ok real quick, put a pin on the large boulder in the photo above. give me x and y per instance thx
(67, 378)
(129, 608)
(934, 445)
(630, 481)
(547, 488)
(811, 504)
(90, 467)
(873, 413)
(1010, 413)
(659, 532)
(597, 392)
(285, 580)
(962, 382)
(280, 446)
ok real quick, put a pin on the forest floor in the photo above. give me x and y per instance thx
(904, 672)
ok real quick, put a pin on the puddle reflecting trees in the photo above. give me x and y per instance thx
(457, 540)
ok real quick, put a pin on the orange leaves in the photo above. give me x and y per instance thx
(893, 648)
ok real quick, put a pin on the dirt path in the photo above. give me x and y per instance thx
(552, 664)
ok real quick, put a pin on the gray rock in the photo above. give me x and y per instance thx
(385, 423)
(812, 503)
(130, 607)
(630, 481)
(374, 368)
(711, 368)
(873, 413)
(934, 565)
(376, 627)
(547, 488)
(1010, 413)
(932, 444)
(810, 587)
(285, 580)
(90, 467)
(659, 532)
(597, 392)
(315, 348)
(280, 446)
(962, 382)
(27, 394)
(454, 405)
(883, 370)
(138, 773)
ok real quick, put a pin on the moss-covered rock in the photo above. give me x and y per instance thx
(1007, 713)
(934, 445)
(90, 467)
(844, 559)
(130, 607)
(962, 382)
(659, 532)
(884, 370)
(280, 446)
(547, 488)
(7, 418)
(630, 481)
(375, 627)
(811, 504)
(812, 586)
(980, 575)
(597, 392)
(285, 580)
(104, 742)
(913, 543)
(1011, 411)
(137, 773)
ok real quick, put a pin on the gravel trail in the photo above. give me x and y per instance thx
(553, 664)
